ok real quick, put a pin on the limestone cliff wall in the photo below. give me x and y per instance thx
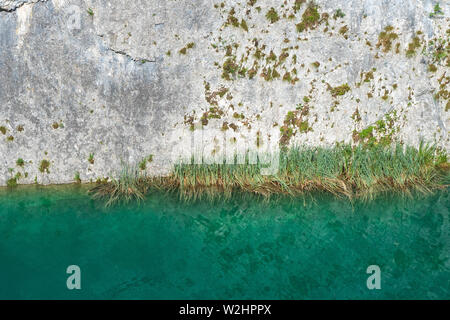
(87, 85)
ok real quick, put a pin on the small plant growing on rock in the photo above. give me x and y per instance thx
(91, 158)
(310, 18)
(413, 46)
(143, 163)
(232, 20)
(90, 12)
(386, 38)
(244, 25)
(3, 130)
(184, 50)
(356, 115)
(437, 11)
(338, 14)
(440, 49)
(20, 162)
(272, 15)
(340, 90)
(343, 31)
(44, 166)
(229, 69)
(304, 127)
(77, 177)
(11, 183)
(432, 68)
(369, 76)
(298, 5)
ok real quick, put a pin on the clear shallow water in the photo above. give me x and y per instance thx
(242, 249)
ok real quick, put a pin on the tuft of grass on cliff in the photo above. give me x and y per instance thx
(344, 170)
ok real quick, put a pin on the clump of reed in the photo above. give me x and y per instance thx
(130, 184)
(343, 170)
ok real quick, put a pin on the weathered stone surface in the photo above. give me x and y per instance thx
(118, 80)
(10, 5)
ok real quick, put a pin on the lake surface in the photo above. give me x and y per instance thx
(313, 248)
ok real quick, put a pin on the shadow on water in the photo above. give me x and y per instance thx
(315, 247)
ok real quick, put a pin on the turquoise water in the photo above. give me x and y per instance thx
(312, 248)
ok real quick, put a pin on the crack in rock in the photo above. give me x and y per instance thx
(128, 56)
(135, 59)
(125, 54)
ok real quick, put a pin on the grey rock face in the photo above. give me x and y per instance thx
(89, 85)
(10, 5)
